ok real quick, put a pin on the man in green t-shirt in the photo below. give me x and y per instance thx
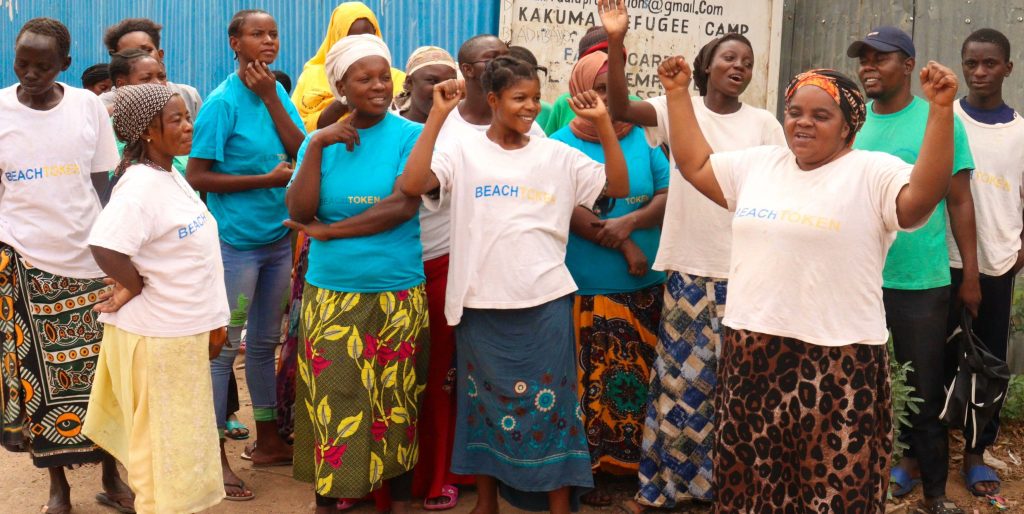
(916, 279)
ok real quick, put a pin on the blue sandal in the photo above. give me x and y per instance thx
(902, 481)
(234, 429)
(981, 473)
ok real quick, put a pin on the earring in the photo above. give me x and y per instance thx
(148, 140)
(343, 100)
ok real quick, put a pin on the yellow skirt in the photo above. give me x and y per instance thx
(147, 410)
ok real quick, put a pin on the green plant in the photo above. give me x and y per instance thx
(1013, 408)
(904, 403)
(240, 313)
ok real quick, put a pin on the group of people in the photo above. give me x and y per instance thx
(679, 288)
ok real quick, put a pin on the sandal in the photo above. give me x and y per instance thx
(234, 429)
(596, 497)
(941, 507)
(117, 501)
(247, 455)
(346, 504)
(448, 492)
(241, 487)
(981, 473)
(247, 452)
(903, 481)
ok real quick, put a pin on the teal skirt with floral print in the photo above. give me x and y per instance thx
(519, 418)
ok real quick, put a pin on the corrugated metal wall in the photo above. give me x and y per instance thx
(195, 31)
(817, 32)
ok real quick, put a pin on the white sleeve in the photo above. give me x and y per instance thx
(888, 174)
(123, 226)
(589, 179)
(658, 135)
(106, 156)
(772, 133)
(442, 165)
(731, 169)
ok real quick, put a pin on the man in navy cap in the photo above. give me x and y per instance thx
(916, 279)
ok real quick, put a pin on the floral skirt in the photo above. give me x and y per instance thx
(804, 428)
(616, 335)
(519, 418)
(49, 344)
(362, 373)
(679, 433)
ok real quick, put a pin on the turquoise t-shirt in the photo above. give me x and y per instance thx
(350, 183)
(919, 259)
(235, 131)
(599, 270)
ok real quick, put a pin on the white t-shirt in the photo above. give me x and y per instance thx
(996, 185)
(809, 246)
(434, 224)
(155, 218)
(47, 200)
(695, 234)
(510, 212)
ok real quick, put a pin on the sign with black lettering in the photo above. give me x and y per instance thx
(552, 29)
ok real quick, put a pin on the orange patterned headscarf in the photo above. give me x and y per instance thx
(843, 90)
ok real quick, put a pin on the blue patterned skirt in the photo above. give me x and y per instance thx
(519, 418)
(676, 461)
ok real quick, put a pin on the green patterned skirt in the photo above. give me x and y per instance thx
(49, 344)
(360, 379)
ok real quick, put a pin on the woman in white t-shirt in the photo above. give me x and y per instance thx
(679, 433)
(56, 146)
(803, 402)
(152, 404)
(512, 196)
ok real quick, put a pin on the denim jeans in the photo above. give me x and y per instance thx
(917, 320)
(263, 276)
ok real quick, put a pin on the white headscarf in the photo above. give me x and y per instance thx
(347, 51)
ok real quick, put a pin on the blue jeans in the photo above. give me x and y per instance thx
(263, 276)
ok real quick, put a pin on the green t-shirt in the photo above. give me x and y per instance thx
(560, 114)
(919, 259)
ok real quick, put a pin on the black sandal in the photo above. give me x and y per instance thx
(940, 507)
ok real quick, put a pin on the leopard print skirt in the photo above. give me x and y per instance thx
(802, 427)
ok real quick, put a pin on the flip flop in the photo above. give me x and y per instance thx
(449, 492)
(234, 429)
(114, 501)
(596, 498)
(942, 507)
(903, 482)
(247, 451)
(981, 473)
(346, 504)
(240, 486)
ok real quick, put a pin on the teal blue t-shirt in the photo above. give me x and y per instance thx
(350, 183)
(599, 270)
(917, 260)
(235, 131)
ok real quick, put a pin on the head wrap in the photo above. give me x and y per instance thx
(134, 110)
(94, 74)
(843, 91)
(342, 19)
(347, 51)
(428, 56)
(583, 77)
(706, 54)
(421, 58)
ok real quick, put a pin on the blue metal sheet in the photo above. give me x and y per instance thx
(195, 38)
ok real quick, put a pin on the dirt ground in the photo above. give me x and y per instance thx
(23, 488)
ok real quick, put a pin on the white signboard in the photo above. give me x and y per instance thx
(552, 29)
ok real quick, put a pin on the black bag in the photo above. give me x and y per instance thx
(979, 387)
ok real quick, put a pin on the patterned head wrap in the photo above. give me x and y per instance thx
(843, 90)
(134, 109)
(421, 58)
(347, 51)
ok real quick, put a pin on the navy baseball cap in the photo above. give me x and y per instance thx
(883, 39)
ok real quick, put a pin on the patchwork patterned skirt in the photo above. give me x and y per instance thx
(679, 430)
(362, 372)
(519, 417)
(286, 367)
(48, 352)
(804, 428)
(616, 336)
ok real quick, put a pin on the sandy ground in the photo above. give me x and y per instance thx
(23, 488)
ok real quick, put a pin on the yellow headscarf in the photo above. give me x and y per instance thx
(312, 91)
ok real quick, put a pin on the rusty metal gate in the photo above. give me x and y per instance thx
(817, 32)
